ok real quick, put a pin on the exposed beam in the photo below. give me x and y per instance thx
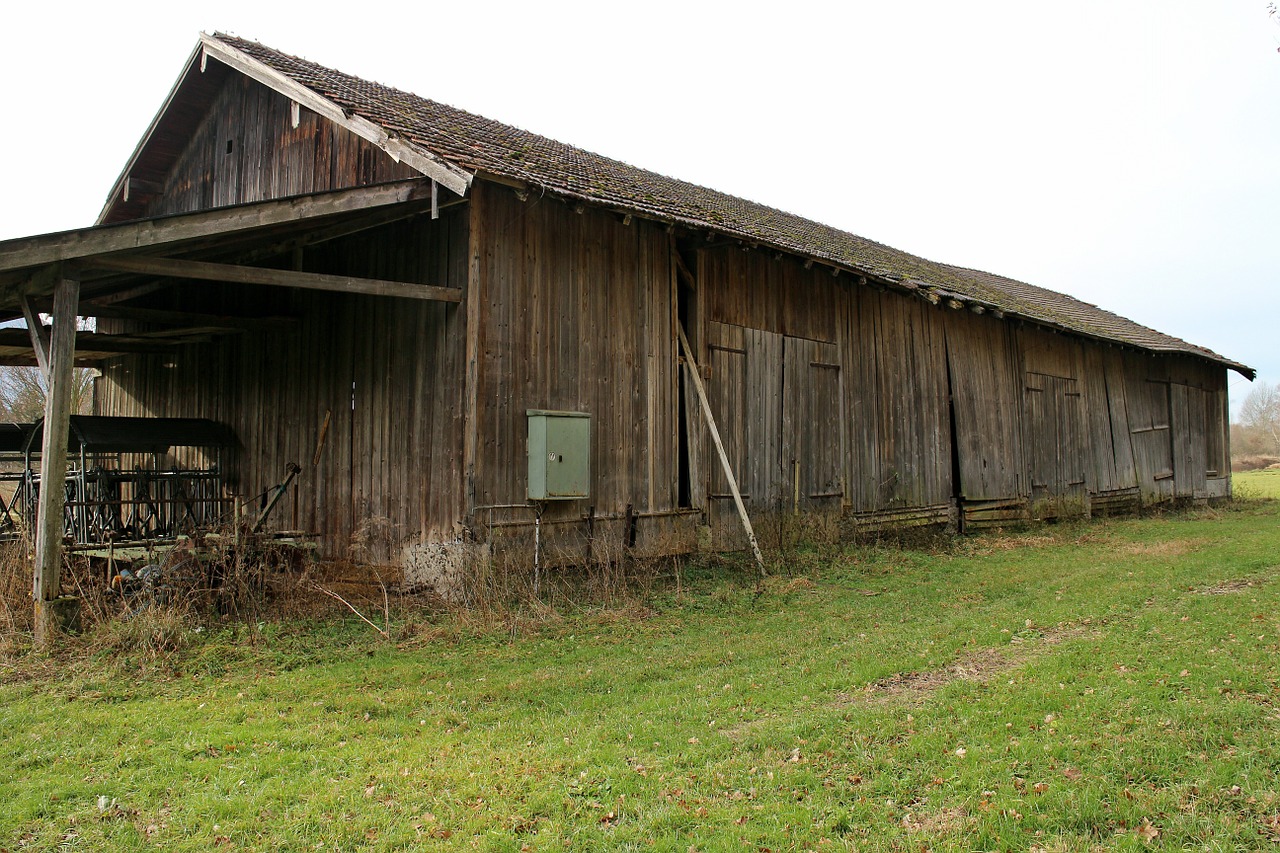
(39, 336)
(17, 340)
(346, 228)
(401, 150)
(137, 187)
(185, 318)
(206, 271)
(69, 245)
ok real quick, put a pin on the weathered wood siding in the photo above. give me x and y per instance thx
(988, 401)
(899, 433)
(927, 406)
(246, 149)
(387, 370)
(831, 395)
(578, 315)
(1106, 403)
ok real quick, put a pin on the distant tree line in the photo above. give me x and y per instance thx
(23, 391)
(1257, 431)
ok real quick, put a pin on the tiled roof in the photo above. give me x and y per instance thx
(483, 145)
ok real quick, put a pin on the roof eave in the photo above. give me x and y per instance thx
(922, 288)
(397, 147)
(117, 189)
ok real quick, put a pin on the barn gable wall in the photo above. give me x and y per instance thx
(246, 149)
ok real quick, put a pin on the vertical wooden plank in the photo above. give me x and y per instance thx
(473, 305)
(53, 460)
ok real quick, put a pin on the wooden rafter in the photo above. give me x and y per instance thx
(205, 271)
(219, 322)
(15, 341)
(399, 149)
(69, 245)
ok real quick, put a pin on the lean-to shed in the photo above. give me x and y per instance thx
(440, 317)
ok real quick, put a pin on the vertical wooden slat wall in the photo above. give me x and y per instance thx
(830, 392)
(898, 412)
(246, 149)
(386, 370)
(576, 317)
(988, 399)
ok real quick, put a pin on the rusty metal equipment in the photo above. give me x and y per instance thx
(128, 479)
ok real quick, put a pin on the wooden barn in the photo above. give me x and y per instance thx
(460, 331)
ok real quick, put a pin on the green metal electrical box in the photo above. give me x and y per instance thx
(559, 455)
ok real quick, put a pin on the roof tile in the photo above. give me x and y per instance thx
(480, 144)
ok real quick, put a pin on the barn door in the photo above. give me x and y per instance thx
(812, 437)
(1187, 408)
(1055, 421)
(777, 403)
(1152, 447)
(744, 389)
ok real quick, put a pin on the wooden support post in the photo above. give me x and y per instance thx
(39, 337)
(472, 299)
(53, 465)
(692, 364)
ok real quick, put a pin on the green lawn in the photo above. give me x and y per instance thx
(1076, 687)
(1257, 484)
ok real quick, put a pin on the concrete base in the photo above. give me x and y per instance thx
(441, 567)
(56, 617)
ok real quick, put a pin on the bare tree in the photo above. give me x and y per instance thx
(1260, 416)
(23, 391)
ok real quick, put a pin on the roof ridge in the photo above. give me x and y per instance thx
(477, 143)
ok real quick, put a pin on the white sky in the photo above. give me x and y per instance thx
(1122, 151)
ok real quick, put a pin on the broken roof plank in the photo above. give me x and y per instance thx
(18, 341)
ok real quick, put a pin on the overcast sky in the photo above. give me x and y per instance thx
(1124, 151)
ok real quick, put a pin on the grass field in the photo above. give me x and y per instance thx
(1101, 686)
(1256, 484)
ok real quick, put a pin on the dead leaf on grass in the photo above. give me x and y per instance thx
(1146, 831)
(980, 665)
(1231, 586)
(939, 823)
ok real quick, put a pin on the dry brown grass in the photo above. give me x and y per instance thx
(1169, 548)
(152, 621)
(979, 665)
(1254, 463)
(15, 597)
(1232, 586)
